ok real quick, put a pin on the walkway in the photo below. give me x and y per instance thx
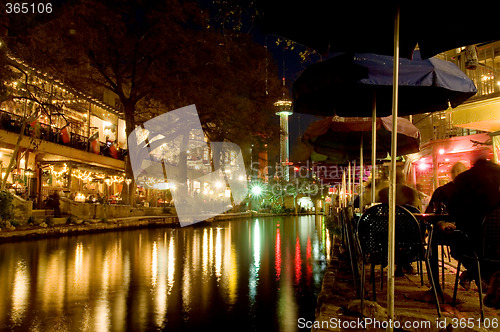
(339, 310)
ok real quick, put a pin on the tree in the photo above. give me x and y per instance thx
(19, 88)
(122, 47)
(148, 50)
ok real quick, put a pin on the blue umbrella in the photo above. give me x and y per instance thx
(345, 85)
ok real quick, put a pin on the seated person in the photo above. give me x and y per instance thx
(405, 195)
(443, 195)
(477, 194)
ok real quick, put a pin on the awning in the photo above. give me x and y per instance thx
(479, 115)
(82, 166)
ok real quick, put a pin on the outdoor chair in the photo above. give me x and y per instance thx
(488, 255)
(350, 243)
(373, 241)
(441, 243)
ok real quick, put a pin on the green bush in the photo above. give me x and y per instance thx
(332, 224)
(49, 221)
(70, 220)
(6, 206)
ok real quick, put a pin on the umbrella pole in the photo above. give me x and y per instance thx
(392, 177)
(361, 205)
(374, 144)
(349, 182)
(353, 181)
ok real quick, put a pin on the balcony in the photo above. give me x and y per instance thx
(13, 123)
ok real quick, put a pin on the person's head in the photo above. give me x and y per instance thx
(400, 177)
(457, 169)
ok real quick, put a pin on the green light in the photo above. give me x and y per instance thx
(256, 190)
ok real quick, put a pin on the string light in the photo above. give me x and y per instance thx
(58, 174)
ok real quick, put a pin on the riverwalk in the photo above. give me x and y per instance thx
(339, 307)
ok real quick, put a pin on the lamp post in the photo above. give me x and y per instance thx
(108, 183)
(28, 173)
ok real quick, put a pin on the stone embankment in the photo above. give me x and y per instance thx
(63, 227)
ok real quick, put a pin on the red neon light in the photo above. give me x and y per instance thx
(277, 255)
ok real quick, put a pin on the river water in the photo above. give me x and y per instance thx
(241, 275)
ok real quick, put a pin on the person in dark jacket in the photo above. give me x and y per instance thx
(477, 194)
(439, 203)
(405, 195)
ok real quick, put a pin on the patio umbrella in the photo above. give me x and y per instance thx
(373, 27)
(350, 26)
(339, 138)
(345, 85)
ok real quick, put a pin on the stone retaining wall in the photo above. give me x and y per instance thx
(87, 211)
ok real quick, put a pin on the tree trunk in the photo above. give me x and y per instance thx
(128, 191)
(14, 156)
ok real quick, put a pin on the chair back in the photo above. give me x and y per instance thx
(491, 235)
(373, 229)
(411, 208)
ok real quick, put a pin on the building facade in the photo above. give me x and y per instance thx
(466, 132)
(59, 139)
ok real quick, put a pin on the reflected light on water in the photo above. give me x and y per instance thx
(53, 272)
(232, 275)
(205, 253)
(298, 262)
(256, 246)
(250, 272)
(277, 254)
(218, 254)
(20, 292)
(253, 279)
(171, 265)
(154, 265)
(78, 276)
(160, 290)
(186, 283)
(102, 319)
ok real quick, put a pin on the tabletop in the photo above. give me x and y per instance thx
(432, 218)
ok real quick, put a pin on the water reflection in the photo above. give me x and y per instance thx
(260, 274)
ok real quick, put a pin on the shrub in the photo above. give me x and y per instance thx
(49, 221)
(6, 207)
(332, 224)
(31, 220)
(70, 220)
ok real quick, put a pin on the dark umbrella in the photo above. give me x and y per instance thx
(345, 85)
(339, 138)
(351, 26)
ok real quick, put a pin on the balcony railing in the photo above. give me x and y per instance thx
(13, 123)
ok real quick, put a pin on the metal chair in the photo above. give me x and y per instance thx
(349, 235)
(486, 254)
(373, 238)
(414, 209)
